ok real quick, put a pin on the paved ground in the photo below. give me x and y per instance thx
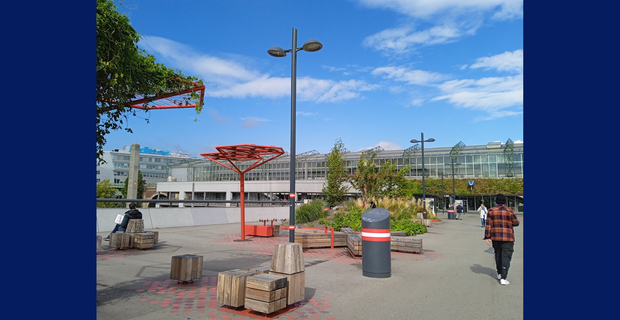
(454, 277)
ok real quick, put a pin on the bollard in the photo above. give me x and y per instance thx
(376, 251)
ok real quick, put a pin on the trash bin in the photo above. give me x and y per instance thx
(376, 251)
(451, 214)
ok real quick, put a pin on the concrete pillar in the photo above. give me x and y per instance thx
(228, 197)
(134, 166)
(181, 197)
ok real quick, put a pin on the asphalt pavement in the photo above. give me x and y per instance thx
(454, 278)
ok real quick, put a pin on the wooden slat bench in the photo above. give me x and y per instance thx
(320, 239)
(406, 244)
(354, 244)
(399, 242)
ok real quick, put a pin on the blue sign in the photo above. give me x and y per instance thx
(471, 183)
(152, 151)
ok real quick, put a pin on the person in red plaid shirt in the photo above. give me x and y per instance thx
(498, 233)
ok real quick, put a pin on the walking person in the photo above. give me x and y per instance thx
(459, 212)
(483, 213)
(499, 233)
(132, 213)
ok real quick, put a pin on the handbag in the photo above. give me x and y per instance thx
(119, 218)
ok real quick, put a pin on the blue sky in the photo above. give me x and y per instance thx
(388, 70)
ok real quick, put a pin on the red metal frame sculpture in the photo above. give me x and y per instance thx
(243, 152)
(173, 103)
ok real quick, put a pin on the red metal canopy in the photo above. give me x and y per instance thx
(243, 152)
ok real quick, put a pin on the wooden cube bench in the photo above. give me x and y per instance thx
(143, 240)
(231, 287)
(406, 244)
(266, 293)
(186, 267)
(135, 226)
(99, 239)
(155, 235)
(120, 240)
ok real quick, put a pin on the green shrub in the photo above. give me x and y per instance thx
(311, 211)
(410, 227)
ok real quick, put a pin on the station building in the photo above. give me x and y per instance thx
(202, 179)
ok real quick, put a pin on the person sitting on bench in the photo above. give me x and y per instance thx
(133, 213)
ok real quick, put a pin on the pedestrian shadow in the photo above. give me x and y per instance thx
(476, 268)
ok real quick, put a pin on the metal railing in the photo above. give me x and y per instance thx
(199, 203)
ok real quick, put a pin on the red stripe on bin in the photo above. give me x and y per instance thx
(375, 238)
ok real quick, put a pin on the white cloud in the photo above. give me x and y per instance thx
(418, 77)
(491, 95)
(234, 80)
(507, 61)
(452, 20)
(404, 39)
(502, 9)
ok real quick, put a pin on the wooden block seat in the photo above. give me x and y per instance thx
(406, 244)
(120, 240)
(99, 239)
(186, 267)
(266, 293)
(135, 226)
(231, 287)
(288, 261)
(143, 240)
(287, 258)
(155, 235)
(258, 269)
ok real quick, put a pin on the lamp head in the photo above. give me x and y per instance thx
(276, 52)
(312, 45)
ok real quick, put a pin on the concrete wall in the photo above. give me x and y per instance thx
(188, 217)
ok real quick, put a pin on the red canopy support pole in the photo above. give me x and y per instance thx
(241, 176)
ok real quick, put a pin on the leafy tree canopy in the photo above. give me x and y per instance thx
(125, 72)
(334, 187)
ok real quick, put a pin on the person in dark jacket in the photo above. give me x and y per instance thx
(133, 213)
(459, 212)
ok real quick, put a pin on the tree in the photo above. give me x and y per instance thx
(105, 191)
(125, 72)
(141, 186)
(366, 179)
(334, 187)
(392, 183)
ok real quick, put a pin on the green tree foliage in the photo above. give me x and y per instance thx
(105, 191)
(392, 183)
(334, 187)
(141, 187)
(125, 72)
(366, 179)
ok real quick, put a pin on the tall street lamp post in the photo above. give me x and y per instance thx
(310, 46)
(423, 173)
